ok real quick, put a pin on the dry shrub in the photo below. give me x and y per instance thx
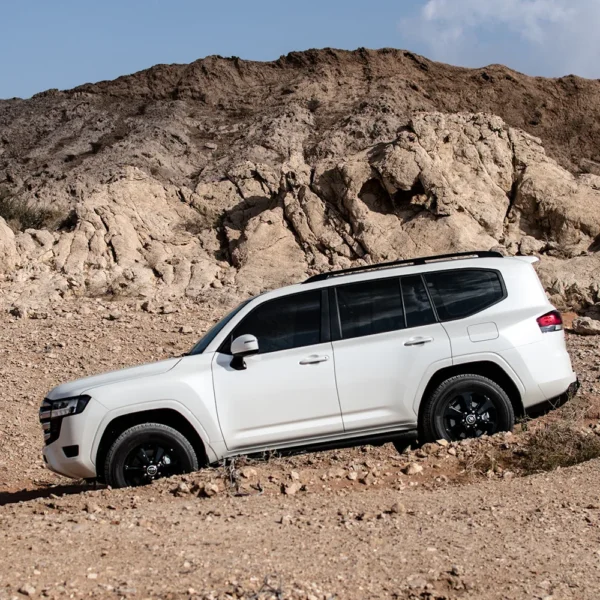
(20, 215)
(558, 444)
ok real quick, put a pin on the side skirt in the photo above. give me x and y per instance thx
(409, 437)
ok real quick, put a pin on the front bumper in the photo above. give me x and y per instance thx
(71, 453)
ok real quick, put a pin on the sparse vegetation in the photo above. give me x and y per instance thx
(21, 215)
(558, 444)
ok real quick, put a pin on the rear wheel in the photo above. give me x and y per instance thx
(147, 452)
(465, 406)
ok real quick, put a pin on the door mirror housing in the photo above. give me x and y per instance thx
(244, 345)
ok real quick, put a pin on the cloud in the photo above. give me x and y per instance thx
(551, 37)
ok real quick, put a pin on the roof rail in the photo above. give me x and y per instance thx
(411, 261)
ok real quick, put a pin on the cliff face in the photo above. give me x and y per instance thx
(241, 176)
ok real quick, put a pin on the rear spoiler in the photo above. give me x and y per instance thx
(530, 259)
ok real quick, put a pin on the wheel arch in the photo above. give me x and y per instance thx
(164, 416)
(485, 368)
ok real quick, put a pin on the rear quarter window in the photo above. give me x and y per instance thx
(465, 292)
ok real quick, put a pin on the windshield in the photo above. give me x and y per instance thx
(209, 336)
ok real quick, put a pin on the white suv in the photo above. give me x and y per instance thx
(452, 346)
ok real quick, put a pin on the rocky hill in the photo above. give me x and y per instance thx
(228, 177)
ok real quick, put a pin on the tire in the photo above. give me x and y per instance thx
(146, 452)
(465, 406)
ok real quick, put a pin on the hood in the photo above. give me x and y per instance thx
(79, 386)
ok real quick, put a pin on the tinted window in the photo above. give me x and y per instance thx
(416, 302)
(288, 322)
(370, 307)
(458, 294)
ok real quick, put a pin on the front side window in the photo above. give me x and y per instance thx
(370, 307)
(210, 335)
(284, 323)
(461, 293)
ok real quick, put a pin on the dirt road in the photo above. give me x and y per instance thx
(354, 523)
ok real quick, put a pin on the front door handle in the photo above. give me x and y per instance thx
(418, 341)
(314, 359)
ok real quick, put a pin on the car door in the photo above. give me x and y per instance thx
(287, 391)
(386, 339)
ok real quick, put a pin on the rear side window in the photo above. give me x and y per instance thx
(461, 293)
(416, 302)
(288, 322)
(370, 307)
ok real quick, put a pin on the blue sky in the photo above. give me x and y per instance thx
(63, 43)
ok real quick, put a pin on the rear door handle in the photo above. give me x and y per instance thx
(418, 341)
(314, 359)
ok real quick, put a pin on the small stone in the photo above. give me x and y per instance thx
(285, 520)
(209, 489)
(27, 590)
(216, 284)
(291, 488)
(397, 508)
(147, 306)
(114, 316)
(368, 478)
(248, 472)
(456, 570)
(413, 469)
(366, 516)
(352, 476)
(92, 507)
(443, 442)
(452, 451)
(211, 146)
(428, 449)
(92, 575)
(186, 329)
(181, 489)
(295, 476)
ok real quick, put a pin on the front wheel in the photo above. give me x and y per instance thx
(465, 406)
(147, 452)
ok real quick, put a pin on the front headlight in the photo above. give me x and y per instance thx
(52, 412)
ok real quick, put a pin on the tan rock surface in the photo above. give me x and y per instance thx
(178, 180)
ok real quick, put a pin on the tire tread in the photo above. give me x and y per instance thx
(426, 432)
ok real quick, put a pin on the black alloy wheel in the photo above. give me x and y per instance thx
(147, 452)
(469, 415)
(465, 406)
(151, 461)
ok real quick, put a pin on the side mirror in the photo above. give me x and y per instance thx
(244, 345)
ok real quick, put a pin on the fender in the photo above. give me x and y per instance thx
(154, 405)
(463, 360)
(429, 373)
(494, 358)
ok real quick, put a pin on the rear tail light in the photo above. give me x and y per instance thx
(551, 321)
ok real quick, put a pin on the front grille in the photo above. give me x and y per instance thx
(50, 427)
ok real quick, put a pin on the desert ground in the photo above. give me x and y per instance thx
(478, 520)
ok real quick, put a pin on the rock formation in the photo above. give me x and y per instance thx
(245, 176)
